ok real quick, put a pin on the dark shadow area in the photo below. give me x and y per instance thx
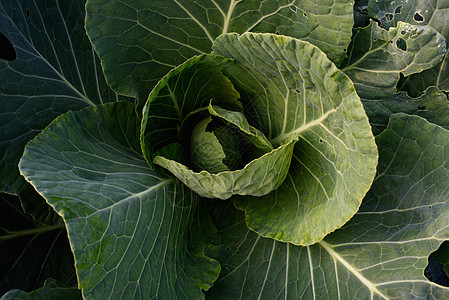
(7, 49)
(418, 17)
(438, 266)
(401, 44)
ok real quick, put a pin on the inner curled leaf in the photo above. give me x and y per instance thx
(215, 150)
(226, 155)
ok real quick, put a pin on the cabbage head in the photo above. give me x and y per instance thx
(270, 121)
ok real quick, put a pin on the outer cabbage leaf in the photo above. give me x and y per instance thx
(292, 91)
(377, 56)
(55, 70)
(52, 290)
(376, 62)
(134, 234)
(380, 253)
(434, 13)
(140, 41)
(433, 105)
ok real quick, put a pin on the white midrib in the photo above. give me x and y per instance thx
(371, 286)
(268, 270)
(196, 21)
(62, 77)
(443, 63)
(283, 137)
(309, 255)
(135, 196)
(227, 19)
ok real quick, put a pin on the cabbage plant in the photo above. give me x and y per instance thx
(224, 149)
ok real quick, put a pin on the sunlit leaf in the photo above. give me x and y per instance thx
(381, 253)
(134, 234)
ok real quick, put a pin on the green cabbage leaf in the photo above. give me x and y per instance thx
(270, 149)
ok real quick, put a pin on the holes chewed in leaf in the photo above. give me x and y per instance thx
(7, 50)
(27, 12)
(422, 108)
(398, 9)
(293, 8)
(418, 17)
(437, 267)
(401, 44)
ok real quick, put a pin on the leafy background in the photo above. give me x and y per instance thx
(57, 70)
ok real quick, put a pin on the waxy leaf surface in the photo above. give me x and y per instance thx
(138, 42)
(134, 234)
(290, 90)
(381, 253)
(55, 70)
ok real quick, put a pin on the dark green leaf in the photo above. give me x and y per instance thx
(381, 253)
(433, 105)
(36, 206)
(55, 70)
(418, 12)
(140, 41)
(378, 56)
(361, 18)
(134, 234)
